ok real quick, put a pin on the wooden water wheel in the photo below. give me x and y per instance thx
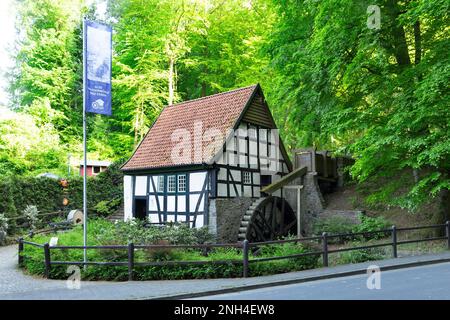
(268, 219)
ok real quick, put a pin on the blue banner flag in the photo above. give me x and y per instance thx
(98, 52)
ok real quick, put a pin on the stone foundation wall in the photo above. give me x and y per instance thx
(225, 217)
(311, 202)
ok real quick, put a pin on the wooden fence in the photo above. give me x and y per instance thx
(245, 247)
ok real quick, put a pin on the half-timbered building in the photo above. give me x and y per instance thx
(223, 146)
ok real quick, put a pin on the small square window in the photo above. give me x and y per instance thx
(160, 183)
(182, 183)
(247, 177)
(96, 169)
(171, 184)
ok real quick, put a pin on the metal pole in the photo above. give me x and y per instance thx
(299, 221)
(47, 260)
(447, 231)
(84, 150)
(245, 258)
(394, 241)
(325, 249)
(130, 261)
(20, 252)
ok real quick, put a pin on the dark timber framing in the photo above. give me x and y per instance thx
(219, 179)
(162, 208)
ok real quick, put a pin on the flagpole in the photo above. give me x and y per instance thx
(84, 149)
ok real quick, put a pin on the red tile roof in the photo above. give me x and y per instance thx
(219, 112)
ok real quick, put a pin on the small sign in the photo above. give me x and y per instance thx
(98, 53)
(53, 241)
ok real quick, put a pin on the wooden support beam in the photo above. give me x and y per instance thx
(271, 188)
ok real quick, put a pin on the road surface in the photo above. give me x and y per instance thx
(425, 282)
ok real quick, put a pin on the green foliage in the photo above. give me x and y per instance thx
(102, 232)
(363, 255)
(334, 224)
(3, 228)
(46, 195)
(339, 224)
(369, 224)
(31, 215)
(380, 95)
(332, 82)
(27, 147)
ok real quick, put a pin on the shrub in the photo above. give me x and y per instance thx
(369, 224)
(101, 231)
(3, 228)
(356, 256)
(31, 215)
(104, 197)
(334, 225)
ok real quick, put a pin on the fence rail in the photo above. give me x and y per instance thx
(245, 246)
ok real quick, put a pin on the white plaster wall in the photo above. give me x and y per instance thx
(247, 191)
(196, 181)
(127, 197)
(193, 199)
(153, 218)
(199, 222)
(141, 186)
(153, 206)
(181, 204)
(150, 187)
(171, 203)
(161, 203)
(221, 190)
(256, 177)
(236, 175)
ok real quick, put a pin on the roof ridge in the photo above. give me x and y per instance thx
(210, 96)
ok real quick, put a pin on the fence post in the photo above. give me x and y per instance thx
(47, 260)
(245, 258)
(20, 252)
(447, 231)
(394, 241)
(325, 249)
(130, 261)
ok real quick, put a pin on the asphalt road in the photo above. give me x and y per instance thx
(425, 282)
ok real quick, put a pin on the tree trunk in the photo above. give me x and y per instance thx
(417, 43)
(171, 80)
(443, 213)
(398, 46)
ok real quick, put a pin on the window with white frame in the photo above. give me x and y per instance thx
(182, 183)
(247, 179)
(160, 183)
(171, 184)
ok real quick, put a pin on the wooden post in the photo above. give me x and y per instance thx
(447, 231)
(325, 249)
(20, 254)
(245, 258)
(394, 241)
(47, 260)
(130, 261)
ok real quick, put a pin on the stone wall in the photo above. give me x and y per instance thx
(311, 202)
(225, 217)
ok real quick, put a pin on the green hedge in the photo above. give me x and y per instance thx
(47, 194)
(105, 232)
